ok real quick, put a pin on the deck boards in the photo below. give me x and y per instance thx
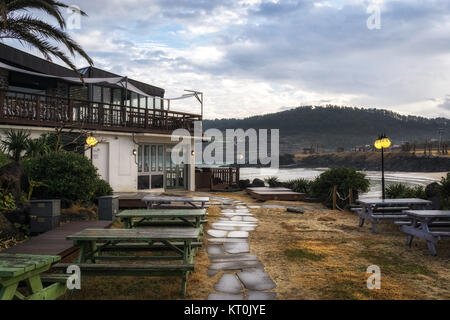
(282, 194)
(54, 242)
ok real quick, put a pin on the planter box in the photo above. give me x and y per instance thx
(44, 215)
(108, 207)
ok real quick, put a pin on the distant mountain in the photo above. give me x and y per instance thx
(333, 127)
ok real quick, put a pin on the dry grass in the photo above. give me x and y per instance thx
(321, 254)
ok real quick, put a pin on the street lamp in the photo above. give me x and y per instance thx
(92, 141)
(382, 143)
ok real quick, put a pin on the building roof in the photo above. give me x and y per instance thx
(92, 72)
(24, 60)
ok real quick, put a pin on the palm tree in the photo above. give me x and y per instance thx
(17, 23)
(15, 143)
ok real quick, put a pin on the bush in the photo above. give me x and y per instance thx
(445, 192)
(4, 160)
(66, 175)
(103, 188)
(300, 185)
(399, 190)
(273, 182)
(343, 178)
(7, 202)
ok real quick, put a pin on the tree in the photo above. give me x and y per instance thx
(15, 143)
(17, 23)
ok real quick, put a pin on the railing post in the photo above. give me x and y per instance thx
(100, 114)
(2, 103)
(38, 109)
(146, 118)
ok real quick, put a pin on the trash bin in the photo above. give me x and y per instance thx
(108, 207)
(45, 215)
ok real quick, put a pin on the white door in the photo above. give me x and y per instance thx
(101, 160)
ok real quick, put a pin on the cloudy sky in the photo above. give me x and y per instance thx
(259, 56)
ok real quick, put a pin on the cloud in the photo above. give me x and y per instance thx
(254, 56)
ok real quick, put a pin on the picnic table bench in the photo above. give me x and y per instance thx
(94, 243)
(193, 218)
(377, 210)
(151, 200)
(430, 225)
(17, 268)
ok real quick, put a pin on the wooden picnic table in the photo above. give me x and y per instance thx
(430, 225)
(94, 243)
(376, 210)
(151, 200)
(16, 268)
(191, 218)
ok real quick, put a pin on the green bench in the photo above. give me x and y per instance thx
(94, 243)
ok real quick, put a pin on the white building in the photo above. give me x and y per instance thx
(130, 119)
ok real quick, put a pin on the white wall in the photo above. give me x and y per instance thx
(114, 156)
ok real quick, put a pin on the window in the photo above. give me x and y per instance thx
(107, 95)
(153, 158)
(117, 96)
(160, 158)
(97, 94)
(146, 158)
(134, 99)
(158, 181)
(142, 103)
(140, 159)
(144, 182)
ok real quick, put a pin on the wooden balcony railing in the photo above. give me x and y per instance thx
(39, 110)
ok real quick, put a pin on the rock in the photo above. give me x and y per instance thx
(12, 179)
(295, 210)
(258, 183)
(7, 229)
(243, 184)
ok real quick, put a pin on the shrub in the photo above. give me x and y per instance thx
(66, 175)
(444, 191)
(7, 202)
(273, 182)
(103, 188)
(399, 190)
(4, 160)
(300, 185)
(343, 178)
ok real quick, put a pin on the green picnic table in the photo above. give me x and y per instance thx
(27, 268)
(94, 243)
(193, 218)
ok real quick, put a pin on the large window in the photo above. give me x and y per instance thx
(151, 169)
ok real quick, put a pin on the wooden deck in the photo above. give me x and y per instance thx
(281, 194)
(54, 242)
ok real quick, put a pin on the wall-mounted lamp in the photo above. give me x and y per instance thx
(134, 152)
(193, 153)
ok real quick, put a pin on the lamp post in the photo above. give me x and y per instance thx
(91, 141)
(382, 143)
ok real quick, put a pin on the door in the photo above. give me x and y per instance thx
(100, 159)
(151, 167)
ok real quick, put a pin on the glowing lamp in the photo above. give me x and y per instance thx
(91, 141)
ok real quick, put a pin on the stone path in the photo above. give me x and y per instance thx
(243, 276)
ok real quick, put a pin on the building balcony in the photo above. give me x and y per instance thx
(18, 108)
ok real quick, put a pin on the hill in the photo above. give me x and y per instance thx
(332, 127)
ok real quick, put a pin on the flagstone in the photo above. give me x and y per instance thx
(256, 279)
(229, 283)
